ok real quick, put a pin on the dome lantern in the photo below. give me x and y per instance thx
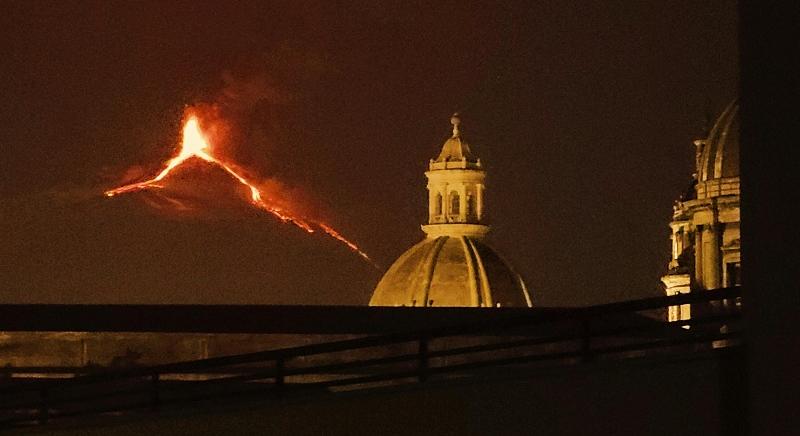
(456, 184)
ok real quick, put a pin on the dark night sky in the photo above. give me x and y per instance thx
(583, 113)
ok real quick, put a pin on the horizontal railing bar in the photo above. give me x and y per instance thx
(486, 347)
(495, 346)
(504, 361)
(666, 301)
(360, 380)
(364, 342)
(252, 319)
(263, 375)
(595, 334)
(318, 369)
(553, 356)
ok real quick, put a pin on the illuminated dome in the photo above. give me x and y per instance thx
(718, 156)
(706, 240)
(451, 271)
(453, 265)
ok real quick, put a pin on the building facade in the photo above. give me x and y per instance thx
(453, 265)
(705, 236)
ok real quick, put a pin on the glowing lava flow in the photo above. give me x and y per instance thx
(194, 144)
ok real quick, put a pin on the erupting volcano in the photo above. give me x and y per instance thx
(195, 145)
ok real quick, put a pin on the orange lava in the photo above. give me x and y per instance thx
(194, 144)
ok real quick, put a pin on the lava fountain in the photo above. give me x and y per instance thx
(195, 145)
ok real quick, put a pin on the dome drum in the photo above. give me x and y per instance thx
(718, 187)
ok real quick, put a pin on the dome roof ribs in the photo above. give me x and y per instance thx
(486, 290)
(472, 274)
(720, 153)
(430, 268)
(718, 157)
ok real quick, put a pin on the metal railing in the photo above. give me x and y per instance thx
(574, 337)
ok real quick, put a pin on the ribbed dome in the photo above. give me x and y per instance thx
(451, 271)
(719, 157)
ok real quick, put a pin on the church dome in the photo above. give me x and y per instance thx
(453, 266)
(719, 157)
(451, 271)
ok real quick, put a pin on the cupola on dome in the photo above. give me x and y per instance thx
(453, 265)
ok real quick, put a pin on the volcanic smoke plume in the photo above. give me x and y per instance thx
(195, 145)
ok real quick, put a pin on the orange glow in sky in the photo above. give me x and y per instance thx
(194, 144)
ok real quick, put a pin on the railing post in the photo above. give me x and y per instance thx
(279, 376)
(155, 394)
(44, 408)
(586, 340)
(423, 360)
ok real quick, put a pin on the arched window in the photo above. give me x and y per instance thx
(437, 206)
(455, 204)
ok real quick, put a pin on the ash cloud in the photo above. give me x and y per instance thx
(277, 78)
(261, 105)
